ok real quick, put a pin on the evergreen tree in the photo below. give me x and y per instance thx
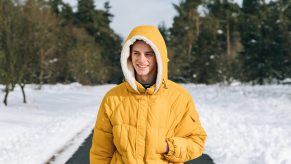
(86, 13)
(96, 23)
(277, 38)
(56, 6)
(165, 32)
(252, 60)
(202, 49)
(265, 39)
(62, 10)
(209, 54)
(184, 34)
(226, 14)
(280, 12)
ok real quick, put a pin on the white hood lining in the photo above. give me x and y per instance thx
(127, 67)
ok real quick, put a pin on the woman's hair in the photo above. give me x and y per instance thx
(130, 49)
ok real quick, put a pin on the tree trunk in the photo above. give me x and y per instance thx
(41, 67)
(197, 26)
(6, 94)
(22, 85)
(229, 57)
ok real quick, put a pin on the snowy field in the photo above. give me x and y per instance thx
(245, 124)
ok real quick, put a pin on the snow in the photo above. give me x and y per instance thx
(34, 132)
(219, 31)
(253, 41)
(245, 124)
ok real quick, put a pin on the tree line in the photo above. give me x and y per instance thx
(224, 42)
(210, 41)
(48, 42)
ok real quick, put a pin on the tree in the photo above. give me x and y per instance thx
(226, 14)
(56, 6)
(184, 34)
(265, 37)
(27, 37)
(62, 10)
(40, 28)
(96, 23)
(279, 38)
(85, 60)
(210, 54)
(252, 61)
(7, 12)
(165, 32)
(85, 16)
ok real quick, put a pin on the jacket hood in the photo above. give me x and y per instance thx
(152, 36)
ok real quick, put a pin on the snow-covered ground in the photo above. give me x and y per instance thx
(245, 124)
(54, 118)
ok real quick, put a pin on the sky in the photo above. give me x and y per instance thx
(130, 13)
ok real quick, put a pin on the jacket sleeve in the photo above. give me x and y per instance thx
(188, 142)
(102, 148)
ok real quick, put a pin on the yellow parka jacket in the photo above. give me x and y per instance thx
(134, 124)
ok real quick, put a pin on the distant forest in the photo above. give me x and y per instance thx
(47, 42)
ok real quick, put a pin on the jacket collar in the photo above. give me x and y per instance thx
(149, 91)
(142, 90)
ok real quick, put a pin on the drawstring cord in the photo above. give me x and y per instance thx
(165, 85)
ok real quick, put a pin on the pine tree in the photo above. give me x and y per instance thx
(56, 6)
(225, 14)
(62, 10)
(165, 32)
(96, 23)
(209, 53)
(86, 12)
(184, 34)
(252, 60)
(265, 39)
(276, 39)
(111, 43)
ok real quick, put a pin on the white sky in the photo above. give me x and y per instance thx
(130, 13)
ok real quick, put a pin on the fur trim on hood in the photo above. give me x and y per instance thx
(152, 36)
